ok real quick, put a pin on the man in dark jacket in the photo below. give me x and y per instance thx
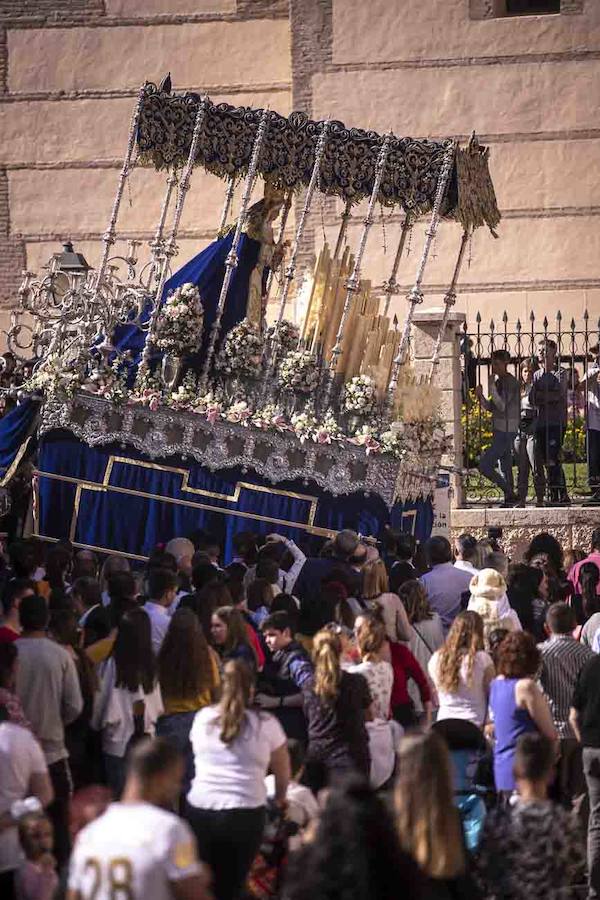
(315, 570)
(285, 676)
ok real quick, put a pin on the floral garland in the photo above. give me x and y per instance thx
(360, 396)
(270, 416)
(242, 350)
(299, 371)
(180, 321)
(147, 390)
(288, 335)
(52, 377)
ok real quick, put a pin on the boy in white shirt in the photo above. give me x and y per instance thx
(136, 848)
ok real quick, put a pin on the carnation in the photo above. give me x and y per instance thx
(360, 396)
(241, 352)
(180, 321)
(299, 371)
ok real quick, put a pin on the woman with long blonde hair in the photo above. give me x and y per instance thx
(376, 590)
(428, 822)
(234, 746)
(462, 671)
(336, 707)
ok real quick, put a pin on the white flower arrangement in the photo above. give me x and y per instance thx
(303, 425)
(53, 377)
(360, 396)
(241, 353)
(180, 321)
(365, 437)
(147, 390)
(186, 395)
(238, 413)
(270, 416)
(328, 430)
(288, 335)
(299, 371)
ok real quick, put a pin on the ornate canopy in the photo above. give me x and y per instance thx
(348, 169)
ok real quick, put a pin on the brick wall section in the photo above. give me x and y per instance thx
(3, 62)
(262, 8)
(312, 38)
(12, 250)
(41, 11)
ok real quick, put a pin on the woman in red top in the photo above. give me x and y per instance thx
(405, 667)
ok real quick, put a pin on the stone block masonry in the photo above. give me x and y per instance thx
(69, 72)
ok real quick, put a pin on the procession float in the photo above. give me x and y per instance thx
(242, 390)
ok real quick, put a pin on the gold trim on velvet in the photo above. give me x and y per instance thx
(106, 487)
(14, 464)
(233, 498)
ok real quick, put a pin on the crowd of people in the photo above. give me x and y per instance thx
(382, 718)
(529, 418)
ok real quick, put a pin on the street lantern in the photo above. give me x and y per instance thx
(69, 261)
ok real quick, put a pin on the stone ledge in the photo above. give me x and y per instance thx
(572, 526)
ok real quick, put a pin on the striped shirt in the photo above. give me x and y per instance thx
(563, 658)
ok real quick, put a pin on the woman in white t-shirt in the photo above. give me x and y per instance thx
(378, 672)
(462, 671)
(233, 748)
(129, 701)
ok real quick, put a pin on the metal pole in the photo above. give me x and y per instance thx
(416, 296)
(232, 259)
(184, 186)
(156, 245)
(449, 301)
(353, 282)
(346, 216)
(391, 285)
(109, 235)
(227, 204)
(290, 271)
(282, 226)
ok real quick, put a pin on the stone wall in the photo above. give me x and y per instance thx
(572, 527)
(69, 74)
(530, 86)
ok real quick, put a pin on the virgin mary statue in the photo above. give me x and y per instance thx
(257, 253)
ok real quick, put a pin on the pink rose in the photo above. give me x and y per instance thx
(154, 404)
(323, 437)
(212, 414)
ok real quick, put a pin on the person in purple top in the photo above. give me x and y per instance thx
(517, 705)
(444, 583)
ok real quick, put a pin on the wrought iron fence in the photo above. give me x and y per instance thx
(573, 447)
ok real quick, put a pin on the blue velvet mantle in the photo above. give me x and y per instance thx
(116, 500)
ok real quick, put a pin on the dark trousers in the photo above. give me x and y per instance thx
(569, 787)
(526, 461)
(593, 448)
(115, 770)
(7, 885)
(228, 840)
(591, 768)
(58, 811)
(548, 454)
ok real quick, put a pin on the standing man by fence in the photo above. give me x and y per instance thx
(591, 381)
(504, 403)
(549, 396)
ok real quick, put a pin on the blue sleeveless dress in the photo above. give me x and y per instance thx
(510, 722)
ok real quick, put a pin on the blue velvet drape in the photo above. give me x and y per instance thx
(15, 427)
(141, 505)
(206, 270)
